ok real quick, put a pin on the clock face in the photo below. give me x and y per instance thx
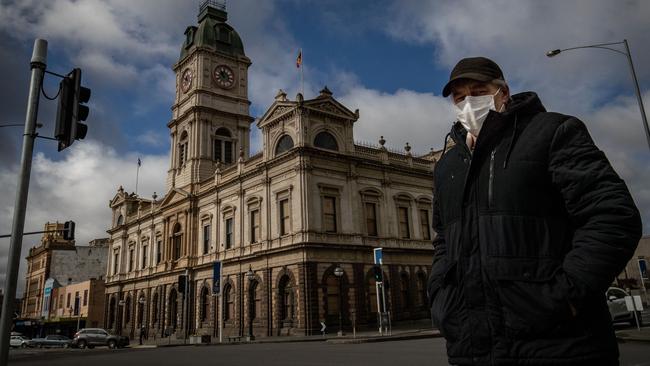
(186, 80)
(224, 76)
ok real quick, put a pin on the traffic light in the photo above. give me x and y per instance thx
(376, 271)
(68, 230)
(71, 110)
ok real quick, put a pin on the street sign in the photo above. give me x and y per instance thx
(379, 256)
(636, 306)
(216, 278)
(322, 330)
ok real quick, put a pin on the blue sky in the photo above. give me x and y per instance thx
(389, 59)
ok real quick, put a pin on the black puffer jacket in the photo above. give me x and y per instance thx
(536, 219)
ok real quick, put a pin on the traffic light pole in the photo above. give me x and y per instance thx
(38, 64)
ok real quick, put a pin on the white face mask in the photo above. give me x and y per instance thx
(472, 111)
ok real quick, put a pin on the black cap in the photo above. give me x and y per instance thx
(475, 68)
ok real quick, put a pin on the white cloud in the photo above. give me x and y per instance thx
(421, 119)
(153, 138)
(77, 188)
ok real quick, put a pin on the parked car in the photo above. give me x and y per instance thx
(20, 341)
(52, 340)
(618, 309)
(91, 337)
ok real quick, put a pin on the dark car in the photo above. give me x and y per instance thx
(52, 340)
(618, 309)
(91, 337)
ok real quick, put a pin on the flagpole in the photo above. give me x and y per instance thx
(302, 77)
(137, 177)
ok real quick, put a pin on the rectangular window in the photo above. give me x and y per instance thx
(144, 256)
(217, 150)
(228, 152)
(67, 302)
(61, 301)
(76, 303)
(229, 233)
(403, 213)
(85, 297)
(371, 218)
(255, 226)
(158, 251)
(116, 260)
(329, 214)
(424, 223)
(284, 217)
(131, 251)
(206, 239)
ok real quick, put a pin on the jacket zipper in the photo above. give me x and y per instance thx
(491, 181)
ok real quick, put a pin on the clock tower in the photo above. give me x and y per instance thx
(210, 123)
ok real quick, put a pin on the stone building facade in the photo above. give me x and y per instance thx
(310, 201)
(62, 262)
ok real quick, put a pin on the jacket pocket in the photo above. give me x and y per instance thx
(533, 303)
(491, 180)
(447, 307)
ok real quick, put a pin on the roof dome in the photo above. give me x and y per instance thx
(213, 32)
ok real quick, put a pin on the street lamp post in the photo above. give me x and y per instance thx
(141, 312)
(338, 272)
(77, 300)
(627, 53)
(251, 276)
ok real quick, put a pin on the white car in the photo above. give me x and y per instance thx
(618, 309)
(20, 341)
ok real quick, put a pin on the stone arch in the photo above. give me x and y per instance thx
(326, 139)
(286, 296)
(336, 291)
(112, 310)
(283, 143)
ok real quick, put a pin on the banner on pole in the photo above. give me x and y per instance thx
(379, 257)
(216, 278)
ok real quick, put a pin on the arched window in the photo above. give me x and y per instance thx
(140, 314)
(404, 290)
(422, 289)
(284, 144)
(177, 241)
(228, 302)
(120, 220)
(223, 146)
(154, 304)
(325, 140)
(203, 316)
(286, 299)
(372, 295)
(182, 149)
(173, 309)
(111, 313)
(127, 310)
(333, 295)
(254, 299)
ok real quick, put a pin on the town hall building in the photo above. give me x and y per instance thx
(294, 225)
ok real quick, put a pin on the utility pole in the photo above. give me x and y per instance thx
(38, 65)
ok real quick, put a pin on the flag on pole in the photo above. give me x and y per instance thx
(299, 59)
(139, 162)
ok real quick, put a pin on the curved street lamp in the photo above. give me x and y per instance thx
(629, 59)
(338, 272)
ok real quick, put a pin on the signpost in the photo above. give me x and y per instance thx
(383, 315)
(217, 271)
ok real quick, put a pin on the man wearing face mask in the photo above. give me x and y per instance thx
(532, 225)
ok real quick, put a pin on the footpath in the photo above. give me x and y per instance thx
(365, 336)
(634, 335)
